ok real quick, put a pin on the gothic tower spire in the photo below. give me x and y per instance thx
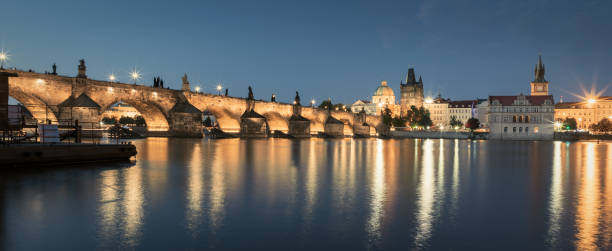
(539, 71)
(539, 86)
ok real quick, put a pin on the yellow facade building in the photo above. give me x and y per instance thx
(586, 112)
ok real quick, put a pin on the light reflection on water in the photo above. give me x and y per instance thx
(315, 194)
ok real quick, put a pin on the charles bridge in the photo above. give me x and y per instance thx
(51, 98)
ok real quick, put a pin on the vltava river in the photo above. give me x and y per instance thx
(315, 194)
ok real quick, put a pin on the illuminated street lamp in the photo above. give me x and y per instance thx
(312, 102)
(135, 75)
(3, 58)
(428, 100)
(197, 89)
(591, 101)
(112, 78)
(219, 88)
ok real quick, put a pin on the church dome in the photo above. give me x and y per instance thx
(384, 90)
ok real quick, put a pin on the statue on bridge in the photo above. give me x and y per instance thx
(250, 97)
(54, 67)
(185, 83)
(273, 99)
(250, 102)
(297, 98)
(82, 69)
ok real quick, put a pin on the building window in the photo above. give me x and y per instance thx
(526, 119)
(536, 129)
(514, 119)
(505, 129)
(520, 119)
(520, 129)
(526, 129)
(514, 129)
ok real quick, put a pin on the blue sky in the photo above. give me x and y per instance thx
(337, 49)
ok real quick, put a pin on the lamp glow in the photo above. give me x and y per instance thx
(4, 56)
(219, 88)
(112, 77)
(135, 75)
(197, 89)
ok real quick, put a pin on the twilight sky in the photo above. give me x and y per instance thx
(337, 49)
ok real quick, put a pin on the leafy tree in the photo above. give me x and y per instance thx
(207, 122)
(399, 122)
(570, 124)
(109, 121)
(418, 117)
(327, 104)
(127, 120)
(472, 124)
(604, 125)
(140, 121)
(454, 122)
(386, 116)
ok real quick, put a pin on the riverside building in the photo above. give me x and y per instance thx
(523, 117)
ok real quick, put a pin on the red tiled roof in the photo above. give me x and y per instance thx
(509, 100)
(462, 104)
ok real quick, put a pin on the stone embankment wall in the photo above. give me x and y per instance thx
(580, 136)
(437, 135)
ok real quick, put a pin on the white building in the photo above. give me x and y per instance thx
(438, 112)
(365, 105)
(383, 97)
(462, 110)
(482, 110)
(521, 117)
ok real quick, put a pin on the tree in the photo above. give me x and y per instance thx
(326, 104)
(207, 122)
(454, 122)
(386, 116)
(140, 121)
(109, 121)
(604, 125)
(418, 117)
(399, 122)
(570, 124)
(472, 124)
(127, 120)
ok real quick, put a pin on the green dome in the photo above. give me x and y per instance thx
(384, 90)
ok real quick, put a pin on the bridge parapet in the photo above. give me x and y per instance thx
(43, 93)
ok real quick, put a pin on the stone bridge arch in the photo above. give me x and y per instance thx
(227, 119)
(40, 110)
(153, 115)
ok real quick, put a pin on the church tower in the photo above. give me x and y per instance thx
(411, 92)
(539, 86)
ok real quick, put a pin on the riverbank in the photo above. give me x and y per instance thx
(439, 135)
(18, 155)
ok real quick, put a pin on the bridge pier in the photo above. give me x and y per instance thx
(333, 127)
(185, 120)
(360, 127)
(252, 124)
(299, 127)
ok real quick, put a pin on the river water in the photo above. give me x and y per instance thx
(316, 194)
